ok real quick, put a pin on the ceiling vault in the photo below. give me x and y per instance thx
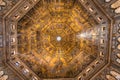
(59, 39)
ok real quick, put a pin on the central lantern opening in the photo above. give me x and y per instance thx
(59, 38)
(50, 41)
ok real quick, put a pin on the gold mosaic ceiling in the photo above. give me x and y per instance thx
(57, 39)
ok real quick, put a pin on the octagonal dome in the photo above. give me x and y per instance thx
(57, 39)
